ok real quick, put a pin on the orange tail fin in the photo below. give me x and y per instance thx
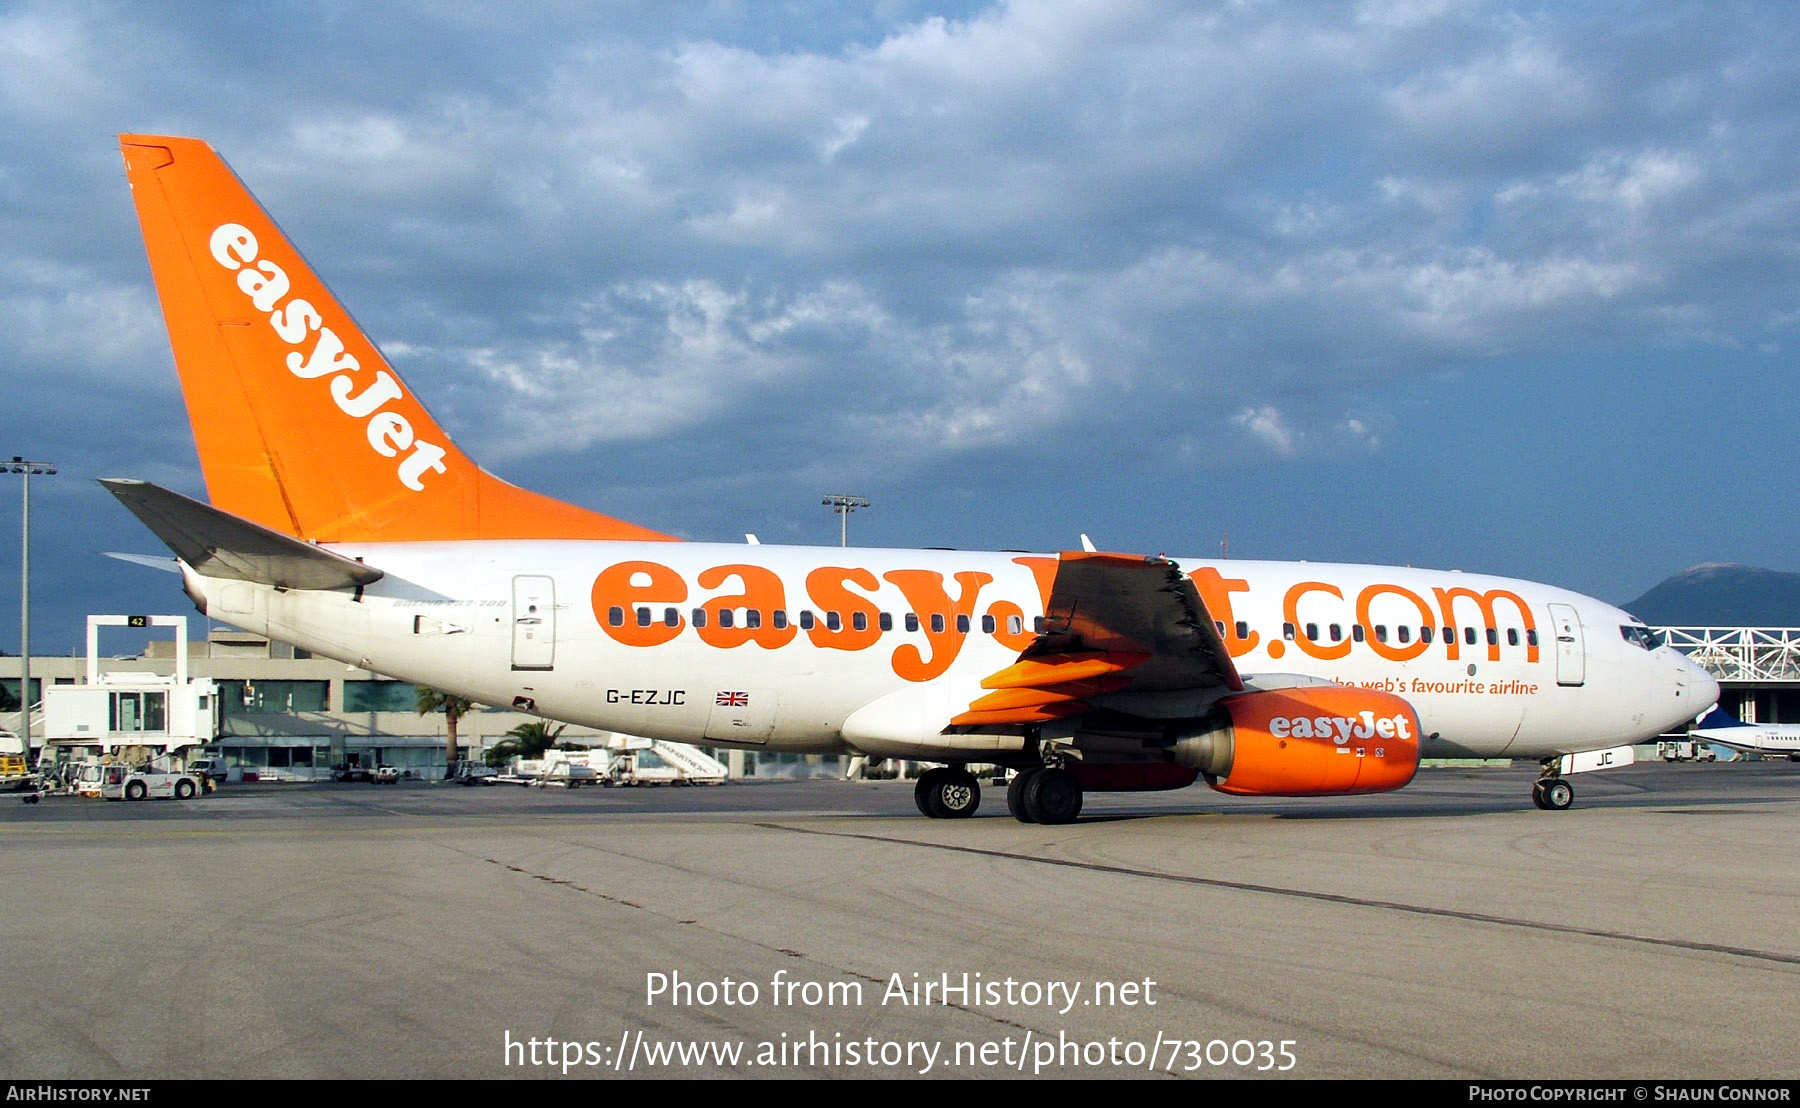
(301, 424)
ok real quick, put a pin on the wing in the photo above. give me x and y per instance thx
(1114, 623)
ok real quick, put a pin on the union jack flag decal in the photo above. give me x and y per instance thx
(732, 700)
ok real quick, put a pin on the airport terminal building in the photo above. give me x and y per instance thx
(285, 715)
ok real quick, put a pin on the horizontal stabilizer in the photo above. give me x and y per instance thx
(155, 561)
(219, 544)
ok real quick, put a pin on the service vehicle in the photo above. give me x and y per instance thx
(1682, 750)
(475, 773)
(210, 770)
(13, 772)
(120, 782)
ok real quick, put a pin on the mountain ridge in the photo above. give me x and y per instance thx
(1721, 594)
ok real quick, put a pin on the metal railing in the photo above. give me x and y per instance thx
(1750, 654)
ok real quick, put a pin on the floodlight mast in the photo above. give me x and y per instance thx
(26, 470)
(842, 504)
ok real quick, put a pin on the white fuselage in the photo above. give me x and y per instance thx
(605, 634)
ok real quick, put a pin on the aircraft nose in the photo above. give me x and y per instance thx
(1698, 690)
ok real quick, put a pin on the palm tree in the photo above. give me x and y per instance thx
(537, 736)
(528, 741)
(432, 700)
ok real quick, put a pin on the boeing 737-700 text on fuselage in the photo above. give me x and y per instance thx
(343, 520)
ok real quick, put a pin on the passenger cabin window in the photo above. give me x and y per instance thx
(726, 617)
(962, 625)
(671, 617)
(937, 622)
(1356, 632)
(1381, 632)
(1015, 625)
(989, 625)
(859, 621)
(699, 617)
(615, 616)
(1287, 631)
(779, 619)
(643, 617)
(912, 621)
(886, 621)
(1312, 632)
(1243, 629)
(1404, 632)
(834, 621)
(1493, 637)
(806, 619)
(1337, 633)
(752, 617)
(1469, 635)
(1512, 636)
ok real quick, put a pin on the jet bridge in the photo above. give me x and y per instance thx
(131, 715)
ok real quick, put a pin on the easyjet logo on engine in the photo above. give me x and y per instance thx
(390, 434)
(1341, 729)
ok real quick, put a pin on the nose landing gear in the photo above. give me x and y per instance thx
(1552, 794)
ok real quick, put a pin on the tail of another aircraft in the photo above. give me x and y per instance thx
(301, 424)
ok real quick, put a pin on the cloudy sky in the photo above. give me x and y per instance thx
(1504, 287)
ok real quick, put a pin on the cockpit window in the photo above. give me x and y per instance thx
(1639, 635)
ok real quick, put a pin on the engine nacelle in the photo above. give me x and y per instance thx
(1311, 741)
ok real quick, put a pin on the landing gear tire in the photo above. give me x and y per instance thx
(958, 796)
(922, 788)
(1553, 794)
(1053, 796)
(947, 793)
(1015, 795)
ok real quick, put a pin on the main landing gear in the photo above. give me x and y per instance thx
(1044, 795)
(1551, 793)
(948, 792)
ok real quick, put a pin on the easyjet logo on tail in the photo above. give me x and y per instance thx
(390, 434)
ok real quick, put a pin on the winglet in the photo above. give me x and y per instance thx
(301, 424)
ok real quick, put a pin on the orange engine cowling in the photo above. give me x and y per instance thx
(1319, 740)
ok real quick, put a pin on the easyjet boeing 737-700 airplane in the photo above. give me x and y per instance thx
(344, 520)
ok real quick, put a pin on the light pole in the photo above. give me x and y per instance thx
(842, 504)
(27, 470)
